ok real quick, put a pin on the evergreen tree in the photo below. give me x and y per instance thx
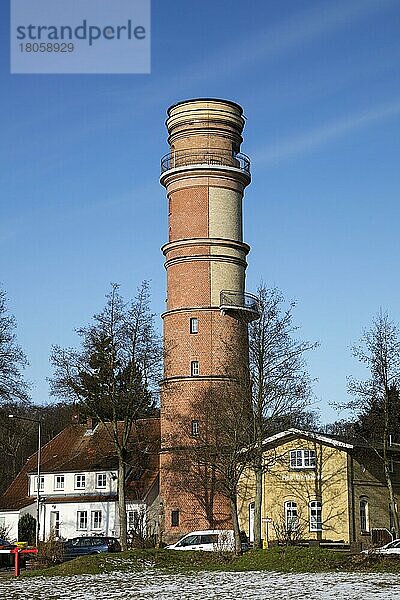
(114, 374)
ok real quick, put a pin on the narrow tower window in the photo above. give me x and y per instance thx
(195, 427)
(194, 325)
(194, 368)
(175, 518)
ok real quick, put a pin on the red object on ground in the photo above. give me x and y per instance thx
(17, 552)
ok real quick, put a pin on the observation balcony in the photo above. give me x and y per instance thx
(205, 157)
(239, 304)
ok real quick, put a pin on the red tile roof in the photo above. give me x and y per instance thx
(77, 449)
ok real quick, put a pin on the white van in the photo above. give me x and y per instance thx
(209, 540)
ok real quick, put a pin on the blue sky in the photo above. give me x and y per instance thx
(81, 205)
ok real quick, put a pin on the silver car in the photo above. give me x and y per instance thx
(390, 548)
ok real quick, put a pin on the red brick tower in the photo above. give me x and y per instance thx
(205, 323)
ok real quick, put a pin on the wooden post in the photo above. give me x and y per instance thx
(15, 551)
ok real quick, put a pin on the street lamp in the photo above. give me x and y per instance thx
(39, 424)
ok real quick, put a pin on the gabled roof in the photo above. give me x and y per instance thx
(77, 449)
(290, 434)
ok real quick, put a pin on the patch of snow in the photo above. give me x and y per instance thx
(151, 584)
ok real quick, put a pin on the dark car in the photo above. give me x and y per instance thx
(90, 545)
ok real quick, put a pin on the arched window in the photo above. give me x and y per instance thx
(315, 514)
(364, 516)
(291, 516)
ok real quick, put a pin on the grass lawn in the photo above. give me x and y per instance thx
(282, 559)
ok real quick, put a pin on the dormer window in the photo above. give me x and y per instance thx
(80, 482)
(41, 484)
(302, 459)
(101, 480)
(59, 482)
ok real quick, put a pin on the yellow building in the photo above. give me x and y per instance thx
(320, 488)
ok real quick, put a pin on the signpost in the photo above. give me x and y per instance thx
(266, 520)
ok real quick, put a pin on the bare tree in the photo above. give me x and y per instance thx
(18, 440)
(226, 442)
(289, 532)
(114, 374)
(379, 350)
(12, 358)
(210, 465)
(18, 437)
(193, 469)
(281, 384)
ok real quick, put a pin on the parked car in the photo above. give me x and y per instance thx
(209, 540)
(80, 546)
(390, 548)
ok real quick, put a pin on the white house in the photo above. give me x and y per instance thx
(78, 488)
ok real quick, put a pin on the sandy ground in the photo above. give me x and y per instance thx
(247, 586)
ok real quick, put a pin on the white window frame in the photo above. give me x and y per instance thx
(59, 482)
(80, 477)
(132, 519)
(103, 476)
(194, 368)
(41, 484)
(81, 520)
(291, 515)
(194, 325)
(315, 515)
(364, 515)
(96, 520)
(55, 522)
(195, 431)
(302, 458)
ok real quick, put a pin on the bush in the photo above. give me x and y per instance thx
(27, 529)
(51, 552)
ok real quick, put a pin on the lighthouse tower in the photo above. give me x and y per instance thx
(207, 308)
